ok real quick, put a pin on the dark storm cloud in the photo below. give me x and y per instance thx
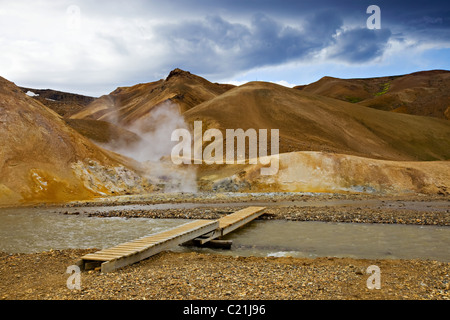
(361, 45)
(214, 43)
(423, 17)
(219, 44)
(398, 11)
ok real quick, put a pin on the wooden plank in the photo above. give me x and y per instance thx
(118, 251)
(150, 239)
(142, 243)
(97, 258)
(136, 246)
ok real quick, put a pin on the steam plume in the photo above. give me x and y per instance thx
(154, 149)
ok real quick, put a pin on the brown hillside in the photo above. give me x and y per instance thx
(310, 122)
(128, 104)
(103, 132)
(425, 93)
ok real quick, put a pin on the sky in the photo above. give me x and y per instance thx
(93, 47)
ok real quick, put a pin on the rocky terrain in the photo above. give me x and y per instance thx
(201, 276)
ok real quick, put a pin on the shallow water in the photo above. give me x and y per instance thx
(355, 240)
(27, 231)
(36, 230)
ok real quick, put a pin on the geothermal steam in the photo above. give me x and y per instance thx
(154, 149)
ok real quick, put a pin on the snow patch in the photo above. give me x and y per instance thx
(32, 94)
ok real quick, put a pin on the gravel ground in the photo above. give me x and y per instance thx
(190, 276)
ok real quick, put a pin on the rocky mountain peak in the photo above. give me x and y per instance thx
(177, 72)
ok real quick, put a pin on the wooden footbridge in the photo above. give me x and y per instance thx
(198, 232)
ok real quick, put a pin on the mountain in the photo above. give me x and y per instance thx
(316, 118)
(43, 159)
(333, 137)
(425, 93)
(311, 122)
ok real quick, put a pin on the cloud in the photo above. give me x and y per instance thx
(360, 45)
(221, 46)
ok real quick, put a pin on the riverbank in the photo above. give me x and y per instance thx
(190, 276)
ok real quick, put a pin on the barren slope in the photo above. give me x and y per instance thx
(336, 173)
(309, 122)
(424, 93)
